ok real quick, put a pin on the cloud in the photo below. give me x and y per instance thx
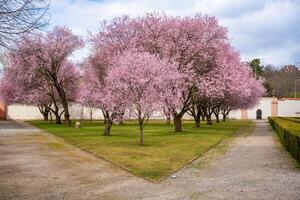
(266, 29)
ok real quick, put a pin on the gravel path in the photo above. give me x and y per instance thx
(36, 165)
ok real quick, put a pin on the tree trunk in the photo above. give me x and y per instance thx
(91, 116)
(177, 123)
(64, 101)
(141, 125)
(168, 122)
(208, 118)
(197, 122)
(46, 116)
(58, 118)
(51, 116)
(224, 117)
(217, 117)
(141, 135)
(44, 110)
(108, 125)
(56, 113)
(67, 115)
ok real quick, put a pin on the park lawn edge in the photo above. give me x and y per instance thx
(225, 141)
(222, 148)
(231, 138)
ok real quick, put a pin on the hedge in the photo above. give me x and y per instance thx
(293, 119)
(289, 134)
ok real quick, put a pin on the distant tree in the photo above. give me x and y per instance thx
(281, 81)
(258, 71)
(257, 67)
(268, 88)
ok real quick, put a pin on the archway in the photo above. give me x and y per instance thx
(259, 114)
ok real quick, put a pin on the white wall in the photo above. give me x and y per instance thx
(235, 114)
(288, 107)
(25, 112)
(265, 105)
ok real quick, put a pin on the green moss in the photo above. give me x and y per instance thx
(164, 150)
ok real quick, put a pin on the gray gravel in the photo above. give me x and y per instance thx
(36, 165)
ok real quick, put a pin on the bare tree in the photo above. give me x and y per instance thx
(4, 62)
(20, 16)
(282, 80)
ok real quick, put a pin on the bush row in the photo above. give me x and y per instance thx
(289, 134)
(293, 119)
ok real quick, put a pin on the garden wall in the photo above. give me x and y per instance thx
(26, 112)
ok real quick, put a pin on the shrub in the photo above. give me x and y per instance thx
(289, 134)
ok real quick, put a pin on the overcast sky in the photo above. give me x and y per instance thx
(268, 29)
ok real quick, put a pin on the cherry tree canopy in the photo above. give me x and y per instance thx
(40, 63)
(140, 81)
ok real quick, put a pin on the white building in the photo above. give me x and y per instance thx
(269, 107)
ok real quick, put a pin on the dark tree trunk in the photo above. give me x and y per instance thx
(141, 120)
(203, 117)
(64, 101)
(216, 110)
(108, 122)
(108, 125)
(50, 116)
(168, 121)
(195, 112)
(57, 118)
(46, 116)
(177, 123)
(168, 116)
(55, 111)
(141, 135)
(225, 113)
(197, 122)
(91, 116)
(44, 110)
(224, 117)
(208, 118)
(217, 117)
(66, 114)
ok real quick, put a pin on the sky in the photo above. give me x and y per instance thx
(266, 29)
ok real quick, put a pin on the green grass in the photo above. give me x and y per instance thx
(164, 150)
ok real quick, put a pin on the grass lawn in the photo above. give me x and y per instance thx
(164, 150)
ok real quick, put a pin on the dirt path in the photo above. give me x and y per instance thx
(35, 165)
